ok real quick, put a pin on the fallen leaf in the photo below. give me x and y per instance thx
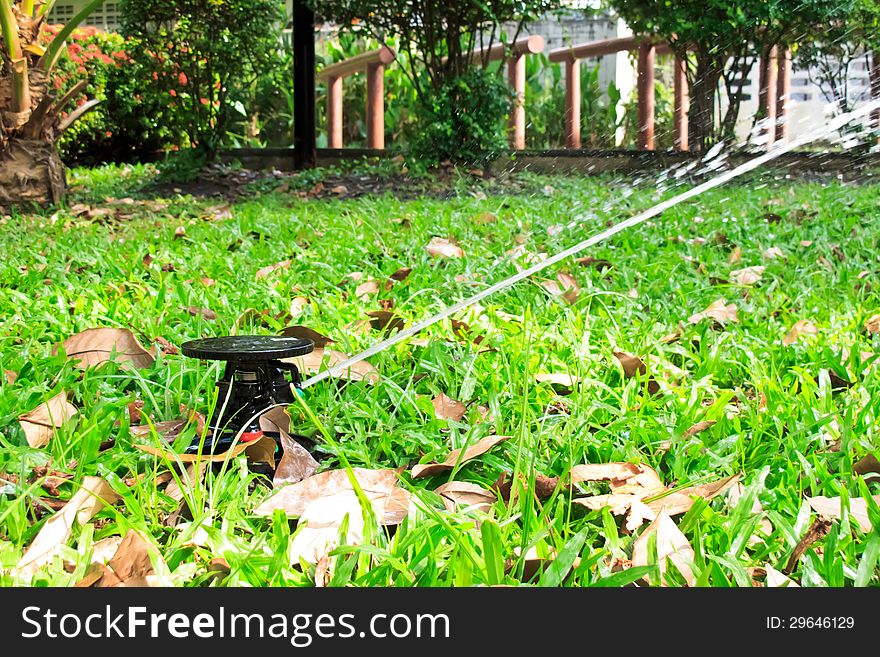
(620, 474)
(817, 531)
(179, 232)
(217, 212)
(457, 457)
(564, 286)
(296, 463)
(339, 190)
(867, 465)
(671, 545)
(385, 320)
(772, 253)
(205, 313)
(735, 256)
(559, 380)
(699, 427)
(747, 276)
(319, 527)
(776, 579)
(168, 429)
(717, 310)
(390, 502)
(39, 424)
(829, 507)
(401, 274)
(91, 497)
(322, 358)
(304, 332)
(590, 261)
(265, 271)
(259, 451)
(461, 494)
(367, 288)
(872, 324)
(99, 345)
(443, 248)
(801, 327)
(446, 408)
(132, 565)
(633, 366)
(298, 306)
(103, 550)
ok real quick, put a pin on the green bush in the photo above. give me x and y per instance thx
(463, 122)
(203, 58)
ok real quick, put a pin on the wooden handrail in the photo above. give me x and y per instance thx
(602, 48)
(358, 63)
(530, 45)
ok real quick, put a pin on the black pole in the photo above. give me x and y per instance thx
(304, 129)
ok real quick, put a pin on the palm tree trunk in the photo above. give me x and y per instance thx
(31, 172)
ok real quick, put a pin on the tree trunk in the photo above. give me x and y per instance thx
(701, 118)
(30, 172)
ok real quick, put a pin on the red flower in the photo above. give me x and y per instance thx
(182, 79)
(172, 92)
(204, 101)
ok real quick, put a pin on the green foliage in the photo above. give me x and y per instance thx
(124, 127)
(463, 121)
(202, 56)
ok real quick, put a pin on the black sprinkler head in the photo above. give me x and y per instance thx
(254, 379)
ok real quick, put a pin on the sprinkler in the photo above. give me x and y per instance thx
(255, 379)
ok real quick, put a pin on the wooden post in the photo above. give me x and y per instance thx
(304, 125)
(875, 90)
(680, 128)
(516, 78)
(375, 105)
(783, 93)
(572, 103)
(767, 95)
(334, 112)
(646, 97)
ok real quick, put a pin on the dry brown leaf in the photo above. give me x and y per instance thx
(103, 550)
(385, 320)
(671, 545)
(401, 274)
(265, 271)
(717, 310)
(829, 507)
(321, 522)
(91, 497)
(298, 306)
(564, 286)
(168, 429)
(39, 424)
(801, 327)
(446, 408)
(817, 531)
(217, 212)
(190, 478)
(747, 276)
(296, 462)
(776, 579)
(260, 450)
(560, 380)
(872, 324)
(735, 256)
(321, 359)
(443, 248)
(365, 289)
(304, 332)
(772, 253)
(456, 457)
(390, 502)
(867, 465)
(10, 377)
(681, 501)
(132, 565)
(699, 427)
(205, 313)
(463, 494)
(622, 476)
(98, 345)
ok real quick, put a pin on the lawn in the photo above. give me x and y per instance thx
(688, 401)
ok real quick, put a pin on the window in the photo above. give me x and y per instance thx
(800, 82)
(801, 98)
(61, 14)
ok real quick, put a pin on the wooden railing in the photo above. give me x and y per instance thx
(570, 57)
(373, 64)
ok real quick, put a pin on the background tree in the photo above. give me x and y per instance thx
(30, 110)
(720, 40)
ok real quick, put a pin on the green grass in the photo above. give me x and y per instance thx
(62, 274)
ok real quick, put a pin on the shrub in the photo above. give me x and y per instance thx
(463, 121)
(123, 127)
(201, 57)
